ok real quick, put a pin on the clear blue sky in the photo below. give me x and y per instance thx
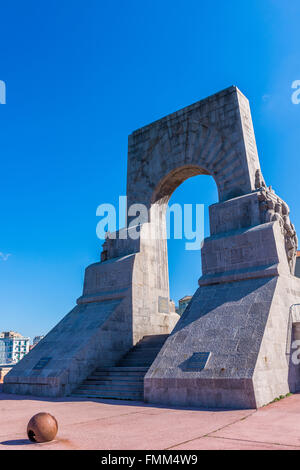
(80, 77)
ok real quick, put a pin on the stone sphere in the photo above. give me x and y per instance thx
(42, 427)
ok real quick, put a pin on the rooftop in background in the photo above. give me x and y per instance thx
(183, 303)
(10, 334)
(37, 339)
(13, 347)
(185, 298)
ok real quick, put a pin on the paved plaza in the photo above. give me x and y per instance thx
(112, 425)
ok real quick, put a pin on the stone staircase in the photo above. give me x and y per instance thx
(125, 381)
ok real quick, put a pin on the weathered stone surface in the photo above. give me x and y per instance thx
(234, 214)
(244, 330)
(238, 322)
(115, 311)
(89, 334)
(214, 136)
(239, 250)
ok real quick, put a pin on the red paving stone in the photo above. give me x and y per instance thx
(112, 424)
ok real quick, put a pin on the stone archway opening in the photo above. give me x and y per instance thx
(172, 180)
(182, 200)
(185, 265)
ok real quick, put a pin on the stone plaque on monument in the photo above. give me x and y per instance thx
(163, 305)
(198, 361)
(42, 363)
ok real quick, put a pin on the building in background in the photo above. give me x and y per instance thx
(183, 303)
(4, 369)
(36, 340)
(172, 306)
(13, 347)
(297, 270)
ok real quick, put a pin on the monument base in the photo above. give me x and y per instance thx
(90, 335)
(230, 348)
(108, 321)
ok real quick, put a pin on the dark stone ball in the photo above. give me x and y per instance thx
(42, 428)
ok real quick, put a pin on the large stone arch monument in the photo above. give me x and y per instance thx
(231, 347)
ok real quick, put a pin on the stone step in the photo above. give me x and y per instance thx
(111, 386)
(117, 378)
(109, 394)
(147, 364)
(123, 369)
(143, 353)
(126, 370)
(130, 361)
(148, 338)
(146, 348)
(149, 345)
(124, 381)
(137, 358)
